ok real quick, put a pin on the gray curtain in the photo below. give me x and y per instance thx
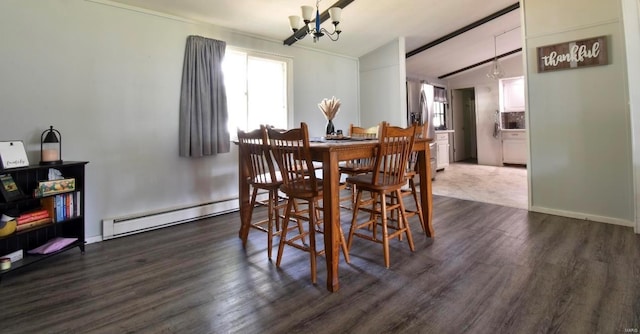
(203, 99)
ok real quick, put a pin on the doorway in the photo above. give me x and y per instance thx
(465, 178)
(465, 147)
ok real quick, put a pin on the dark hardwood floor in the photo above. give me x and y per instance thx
(490, 269)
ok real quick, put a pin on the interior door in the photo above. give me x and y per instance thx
(471, 137)
(457, 110)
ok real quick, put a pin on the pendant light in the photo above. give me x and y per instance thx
(311, 19)
(495, 72)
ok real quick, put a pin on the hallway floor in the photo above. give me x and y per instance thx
(489, 184)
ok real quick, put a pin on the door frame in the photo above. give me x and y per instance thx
(458, 101)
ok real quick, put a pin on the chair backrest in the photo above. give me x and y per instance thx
(356, 131)
(394, 148)
(255, 151)
(421, 132)
(373, 132)
(291, 151)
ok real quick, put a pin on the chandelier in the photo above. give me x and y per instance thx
(496, 71)
(315, 29)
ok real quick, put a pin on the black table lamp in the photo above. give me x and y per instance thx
(50, 147)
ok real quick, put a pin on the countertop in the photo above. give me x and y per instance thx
(444, 131)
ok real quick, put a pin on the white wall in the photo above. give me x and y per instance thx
(109, 79)
(631, 17)
(383, 92)
(487, 102)
(579, 132)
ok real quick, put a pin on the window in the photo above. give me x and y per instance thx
(439, 108)
(438, 116)
(257, 90)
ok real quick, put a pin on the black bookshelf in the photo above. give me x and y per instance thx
(27, 178)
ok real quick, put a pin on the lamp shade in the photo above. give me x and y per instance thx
(335, 13)
(495, 72)
(50, 137)
(307, 13)
(294, 22)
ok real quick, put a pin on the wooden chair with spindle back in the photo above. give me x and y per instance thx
(387, 177)
(411, 175)
(358, 166)
(299, 182)
(256, 152)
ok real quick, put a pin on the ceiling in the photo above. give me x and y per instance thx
(369, 24)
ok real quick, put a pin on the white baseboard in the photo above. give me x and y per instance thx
(583, 216)
(122, 226)
(92, 240)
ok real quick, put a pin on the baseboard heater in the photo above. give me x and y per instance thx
(122, 226)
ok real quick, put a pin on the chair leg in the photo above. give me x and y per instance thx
(283, 232)
(298, 221)
(374, 215)
(395, 214)
(252, 204)
(312, 240)
(385, 231)
(354, 191)
(405, 223)
(270, 224)
(343, 244)
(354, 220)
(414, 192)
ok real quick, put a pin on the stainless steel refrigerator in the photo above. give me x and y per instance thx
(420, 109)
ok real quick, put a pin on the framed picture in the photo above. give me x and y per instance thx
(9, 188)
(13, 155)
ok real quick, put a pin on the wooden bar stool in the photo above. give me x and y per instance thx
(255, 150)
(387, 178)
(299, 182)
(358, 166)
(411, 174)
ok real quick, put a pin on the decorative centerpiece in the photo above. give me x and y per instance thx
(330, 108)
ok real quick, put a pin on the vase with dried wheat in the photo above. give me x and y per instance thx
(330, 108)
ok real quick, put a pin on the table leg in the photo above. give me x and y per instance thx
(331, 202)
(244, 199)
(426, 195)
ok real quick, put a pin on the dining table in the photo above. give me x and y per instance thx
(330, 153)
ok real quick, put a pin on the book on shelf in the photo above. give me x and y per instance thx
(14, 256)
(30, 216)
(62, 206)
(53, 245)
(34, 223)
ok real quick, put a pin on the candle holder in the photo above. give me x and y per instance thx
(50, 147)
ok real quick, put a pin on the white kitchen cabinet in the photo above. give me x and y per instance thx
(442, 143)
(514, 147)
(512, 94)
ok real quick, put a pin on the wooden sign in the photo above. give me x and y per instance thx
(575, 54)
